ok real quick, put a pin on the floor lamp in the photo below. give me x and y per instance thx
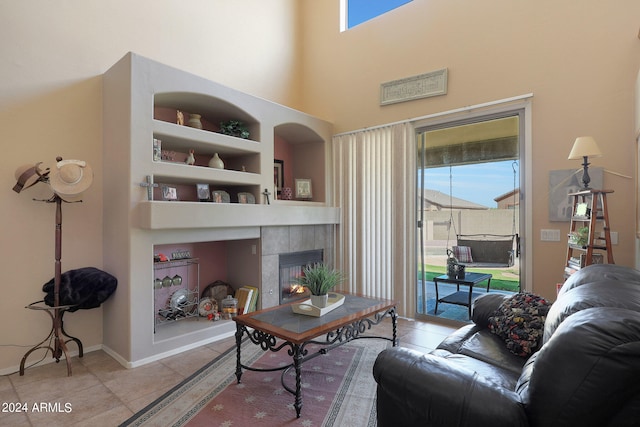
(68, 180)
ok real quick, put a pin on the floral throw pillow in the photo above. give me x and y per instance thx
(462, 254)
(519, 321)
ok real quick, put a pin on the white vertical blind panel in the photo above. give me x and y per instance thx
(374, 188)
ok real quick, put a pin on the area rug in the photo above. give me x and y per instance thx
(338, 389)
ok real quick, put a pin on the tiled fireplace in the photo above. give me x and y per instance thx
(286, 240)
(292, 266)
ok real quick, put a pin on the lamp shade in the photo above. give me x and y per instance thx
(584, 146)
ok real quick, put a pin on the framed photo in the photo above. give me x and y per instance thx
(157, 150)
(220, 196)
(204, 195)
(303, 189)
(246, 198)
(278, 175)
(582, 210)
(169, 193)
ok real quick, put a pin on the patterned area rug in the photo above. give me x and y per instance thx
(338, 389)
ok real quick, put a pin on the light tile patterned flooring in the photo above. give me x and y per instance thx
(103, 393)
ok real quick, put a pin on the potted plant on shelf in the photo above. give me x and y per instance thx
(319, 279)
(580, 237)
(234, 128)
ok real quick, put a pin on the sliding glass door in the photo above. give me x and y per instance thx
(468, 185)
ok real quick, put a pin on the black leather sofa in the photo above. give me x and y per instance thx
(585, 373)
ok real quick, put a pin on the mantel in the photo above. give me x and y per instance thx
(158, 215)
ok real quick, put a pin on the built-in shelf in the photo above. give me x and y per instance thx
(141, 101)
(160, 215)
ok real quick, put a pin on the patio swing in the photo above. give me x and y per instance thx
(483, 249)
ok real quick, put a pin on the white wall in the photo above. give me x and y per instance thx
(579, 59)
(53, 56)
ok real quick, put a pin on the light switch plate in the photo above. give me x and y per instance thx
(549, 235)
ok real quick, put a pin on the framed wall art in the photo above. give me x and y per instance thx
(278, 175)
(565, 181)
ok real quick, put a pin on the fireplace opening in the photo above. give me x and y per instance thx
(291, 266)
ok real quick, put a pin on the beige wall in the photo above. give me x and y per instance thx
(53, 56)
(579, 59)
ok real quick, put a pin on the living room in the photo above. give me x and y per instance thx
(578, 63)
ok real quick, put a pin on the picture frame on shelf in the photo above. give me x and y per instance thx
(582, 210)
(204, 194)
(157, 150)
(246, 198)
(169, 193)
(220, 196)
(278, 175)
(303, 188)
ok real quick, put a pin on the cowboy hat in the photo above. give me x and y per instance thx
(28, 175)
(70, 178)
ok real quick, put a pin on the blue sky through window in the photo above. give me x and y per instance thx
(359, 11)
(478, 183)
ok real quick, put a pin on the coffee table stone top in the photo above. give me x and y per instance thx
(283, 322)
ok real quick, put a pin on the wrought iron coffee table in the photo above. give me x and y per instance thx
(278, 327)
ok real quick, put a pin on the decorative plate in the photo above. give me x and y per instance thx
(207, 306)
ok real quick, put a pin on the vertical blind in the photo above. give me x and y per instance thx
(374, 187)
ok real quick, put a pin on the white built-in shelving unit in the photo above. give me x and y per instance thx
(141, 100)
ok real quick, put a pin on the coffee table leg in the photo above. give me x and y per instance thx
(239, 331)
(297, 364)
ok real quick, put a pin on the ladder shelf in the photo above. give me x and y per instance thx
(589, 231)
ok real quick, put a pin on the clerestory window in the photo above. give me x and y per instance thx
(355, 12)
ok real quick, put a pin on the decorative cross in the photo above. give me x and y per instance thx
(266, 194)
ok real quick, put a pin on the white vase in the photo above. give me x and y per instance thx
(216, 162)
(194, 121)
(320, 301)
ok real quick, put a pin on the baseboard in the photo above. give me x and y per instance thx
(137, 363)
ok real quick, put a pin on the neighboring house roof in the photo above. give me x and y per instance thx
(507, 195)
(443, 201)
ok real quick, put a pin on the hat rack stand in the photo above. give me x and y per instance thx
(57, 339)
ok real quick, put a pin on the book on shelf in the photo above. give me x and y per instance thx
(575, 263)
(247, 297)
(243, 295)
(253, 304)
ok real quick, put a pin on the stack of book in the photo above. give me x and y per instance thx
(247, 297)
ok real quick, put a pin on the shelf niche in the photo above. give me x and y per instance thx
(303, 154)
(212, 110)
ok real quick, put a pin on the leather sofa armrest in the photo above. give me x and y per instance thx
(423, 389)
